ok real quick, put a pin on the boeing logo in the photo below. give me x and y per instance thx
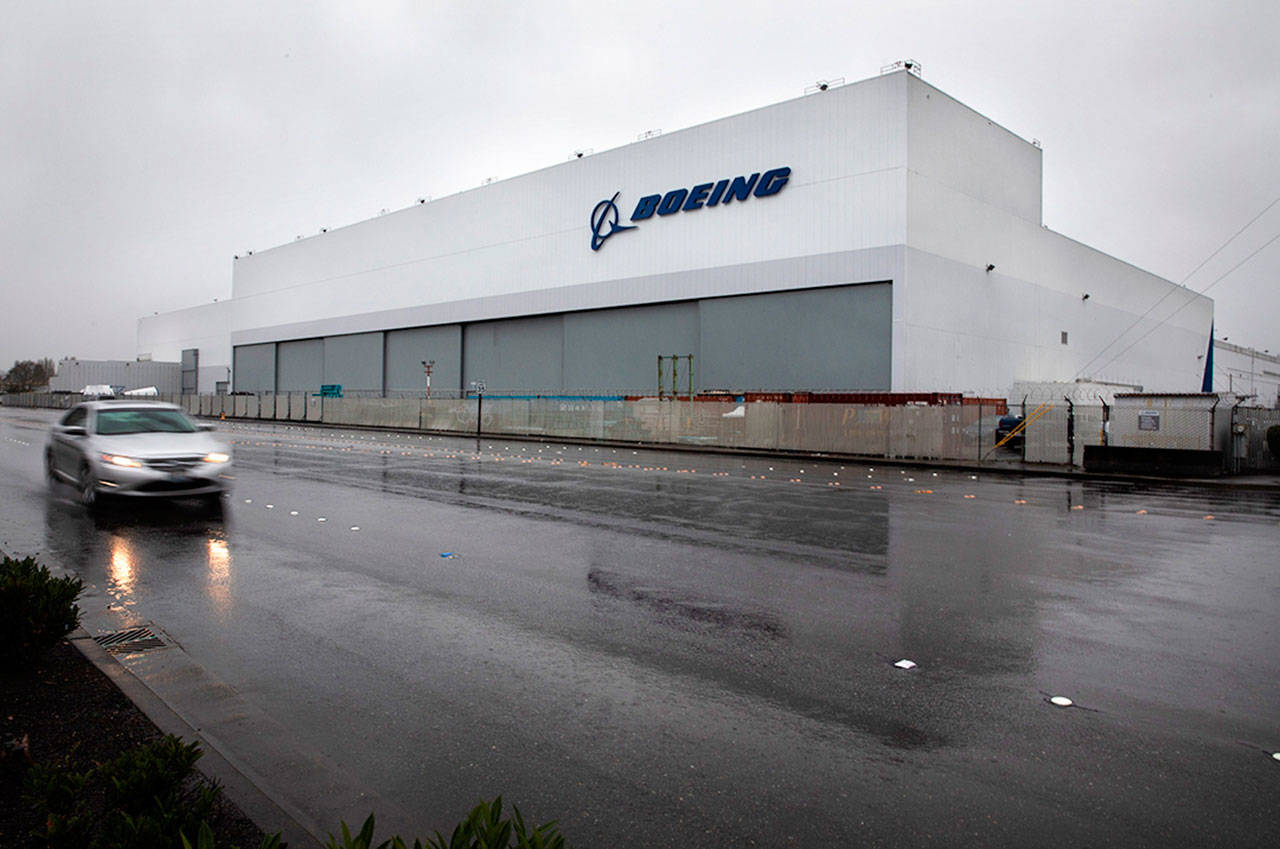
(606, 212)
(685, 200)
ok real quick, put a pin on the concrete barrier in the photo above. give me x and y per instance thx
(453, 414)
(921, 432)
(373, 412)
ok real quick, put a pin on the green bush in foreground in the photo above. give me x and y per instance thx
(149, 797)
(484, 828)
(36, 610)
(204, 840)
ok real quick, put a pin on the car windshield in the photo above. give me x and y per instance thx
(143, 420)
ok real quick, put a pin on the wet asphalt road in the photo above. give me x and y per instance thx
(678, 650)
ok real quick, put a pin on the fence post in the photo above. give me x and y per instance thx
(1071, 432)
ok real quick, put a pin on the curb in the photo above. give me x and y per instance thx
(252, 800)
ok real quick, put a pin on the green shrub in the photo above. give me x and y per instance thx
(1273, 440)
(145, 798)
(484, 828)
(204, 840)
(36, 610)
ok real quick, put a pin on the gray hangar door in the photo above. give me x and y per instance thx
(255, 368)
(835, 338)
(300, 365)
(516, 355)
(609, 352)
(354, 362)
(406, 349)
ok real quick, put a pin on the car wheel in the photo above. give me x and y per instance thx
(88, 486)
(50, 470)
(212, 504)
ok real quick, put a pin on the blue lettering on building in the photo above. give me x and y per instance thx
(604, 218)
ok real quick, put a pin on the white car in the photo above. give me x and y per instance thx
(144, 449)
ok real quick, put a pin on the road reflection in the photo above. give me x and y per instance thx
(120, 571)
(119, 550)
(219, 576)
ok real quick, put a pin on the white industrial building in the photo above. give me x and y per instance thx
(1244, 371)
(74, 374)
(877, 236)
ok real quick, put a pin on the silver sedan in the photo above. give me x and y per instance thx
(144, 449)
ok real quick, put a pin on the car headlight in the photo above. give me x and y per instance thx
(216, 457)
(121, 460)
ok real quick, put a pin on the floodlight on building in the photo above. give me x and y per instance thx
(911, 66)
(823, 85)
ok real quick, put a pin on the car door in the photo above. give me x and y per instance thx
(67, 447)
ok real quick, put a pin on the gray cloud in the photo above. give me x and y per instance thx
(146, 143)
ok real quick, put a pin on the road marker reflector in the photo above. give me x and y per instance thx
(1061, 701)
(905, 664)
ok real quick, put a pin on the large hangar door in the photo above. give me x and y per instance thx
(406, 349)
(300, 366)
(609, 352)
(255, 367)
(354, 362)
(836, 338)
(522, 356)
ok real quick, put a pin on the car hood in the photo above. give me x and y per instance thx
(144, 445)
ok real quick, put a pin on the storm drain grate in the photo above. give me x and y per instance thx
(133, 639)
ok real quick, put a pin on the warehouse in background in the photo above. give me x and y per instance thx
(74, 375)
(877, 236)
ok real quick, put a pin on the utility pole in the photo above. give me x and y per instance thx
(427, 366)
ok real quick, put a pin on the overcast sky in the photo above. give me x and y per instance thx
(146, 143)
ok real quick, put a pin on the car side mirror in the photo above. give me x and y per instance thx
(75, 430)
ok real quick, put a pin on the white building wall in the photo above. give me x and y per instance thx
(1245, 371)
(891, 179)
(504, 247)
(973, 200)
(207, 327)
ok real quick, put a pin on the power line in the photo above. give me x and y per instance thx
(1162, 298)
(1187, 303)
